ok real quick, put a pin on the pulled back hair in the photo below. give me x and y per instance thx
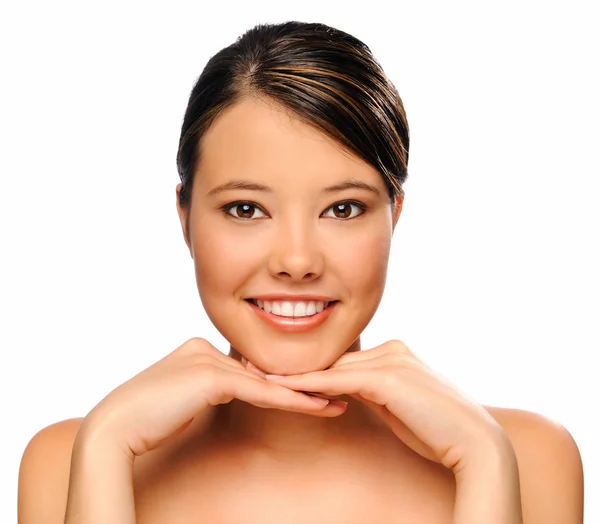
(325, 77)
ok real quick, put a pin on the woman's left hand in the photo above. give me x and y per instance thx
(423, 409)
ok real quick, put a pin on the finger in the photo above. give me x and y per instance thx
(205, 357)
(359, 356)
(387, 348)
(251, 371)
(264, 394)
(256, 372)
(327, 382)
(230, 365)
(370, 362)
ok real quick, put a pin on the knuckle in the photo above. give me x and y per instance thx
(401, 350)
(399, 346)
(193, 347)
(197, 344)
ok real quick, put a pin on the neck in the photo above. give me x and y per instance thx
(285, 432)
(281, 433)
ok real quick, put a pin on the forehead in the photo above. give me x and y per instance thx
(254, 138)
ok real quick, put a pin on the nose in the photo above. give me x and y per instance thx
(296, 254)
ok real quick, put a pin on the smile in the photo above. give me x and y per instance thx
(285, 308)
(292, 316)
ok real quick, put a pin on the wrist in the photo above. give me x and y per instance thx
(96, 439)
(492, 449)
(488, 486)
(101, 481)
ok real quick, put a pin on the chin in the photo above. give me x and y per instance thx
(289, 354)
(283, 352)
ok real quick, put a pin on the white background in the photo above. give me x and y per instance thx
(494, 272)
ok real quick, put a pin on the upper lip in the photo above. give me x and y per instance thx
(293, 298)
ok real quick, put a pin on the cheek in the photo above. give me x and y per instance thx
(361, 259)
(223, 260)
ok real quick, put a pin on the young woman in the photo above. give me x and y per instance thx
(292, 157)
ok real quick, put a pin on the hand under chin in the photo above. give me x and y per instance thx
(259, 372)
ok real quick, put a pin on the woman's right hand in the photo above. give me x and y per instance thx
(162, 400)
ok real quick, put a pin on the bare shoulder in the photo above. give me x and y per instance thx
(44, 474)
(550, 466)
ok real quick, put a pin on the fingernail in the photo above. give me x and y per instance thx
(244, 361)
(340, 403)
(320, 401)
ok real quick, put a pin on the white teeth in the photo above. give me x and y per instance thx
(292, 309)
(300, 309)
(287, 309)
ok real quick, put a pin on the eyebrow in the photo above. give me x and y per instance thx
(252, 186)
(352, 184)
(239, 184)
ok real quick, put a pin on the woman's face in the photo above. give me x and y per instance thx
(281, 214)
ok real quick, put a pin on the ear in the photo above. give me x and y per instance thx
(398, 210)
(183, 219)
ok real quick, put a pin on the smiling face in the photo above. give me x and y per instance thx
(282, 214)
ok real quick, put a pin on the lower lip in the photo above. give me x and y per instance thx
(293, 324)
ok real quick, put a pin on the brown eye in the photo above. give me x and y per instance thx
(344, 210)
(243, 210)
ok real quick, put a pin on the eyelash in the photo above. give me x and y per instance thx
(228, 207)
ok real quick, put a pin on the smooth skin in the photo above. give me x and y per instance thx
(205, 437)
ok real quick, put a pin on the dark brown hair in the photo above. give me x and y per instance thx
(323, 76)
